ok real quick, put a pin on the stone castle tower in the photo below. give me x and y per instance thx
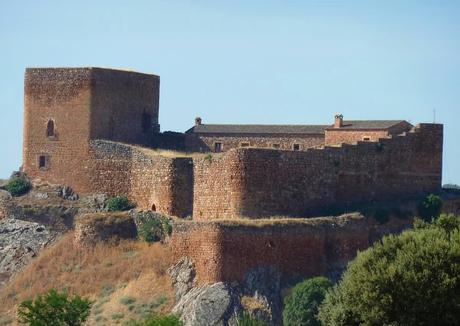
(66, 108)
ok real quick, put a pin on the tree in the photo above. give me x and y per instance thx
(430, 207)
(409, 279)
(301, 306)
(54, 309)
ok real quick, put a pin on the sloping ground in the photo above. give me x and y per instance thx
(125, 280)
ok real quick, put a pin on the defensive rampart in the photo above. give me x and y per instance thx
(227, 250)
(152, 181)
(255, 183)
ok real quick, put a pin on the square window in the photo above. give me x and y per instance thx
(296, 147)
(217, 147)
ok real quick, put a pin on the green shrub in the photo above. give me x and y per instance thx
(382, 215)
(248, 320)
(161, 320)
(18, 186)
(301, 306)
(152, 227)
(127, 300)
(119, 203)
(430, 207)
(409, 279)
(54, 309)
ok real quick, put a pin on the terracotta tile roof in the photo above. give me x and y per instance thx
(368, 124)
(257, 129)
(290, 129)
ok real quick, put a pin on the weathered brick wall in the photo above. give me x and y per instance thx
(351, 136)
(226, 251)
(268, 182)
(218, 181)
(84, 104)
(119, 101)
(63, 96)
(205, 142)
(335, 137)
(151, 181)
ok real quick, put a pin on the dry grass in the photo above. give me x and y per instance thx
(252, 303)
(282, 221)
(105, 273)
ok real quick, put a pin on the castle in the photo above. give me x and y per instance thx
(95, 130)
(79, 122)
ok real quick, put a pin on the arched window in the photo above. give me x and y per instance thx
(154, 208)
(50, 129)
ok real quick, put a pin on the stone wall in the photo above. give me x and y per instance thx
(153, 182)
(218, 182)
(340, 136)
(95, 227)
(299, 248)
(83, 104)
(64, 97)
(350, 136)
(205, 142)
(256, 182)
(121, 103)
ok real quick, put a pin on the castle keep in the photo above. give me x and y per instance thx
(97, 131)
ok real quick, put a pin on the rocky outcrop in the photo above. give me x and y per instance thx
(183, 277)
(20, 241)
(6, 201)
(212, 305)
(223, 303)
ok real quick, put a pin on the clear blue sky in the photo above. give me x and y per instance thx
(277, 62)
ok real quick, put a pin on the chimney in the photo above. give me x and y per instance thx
(338, 121)
(197, 121)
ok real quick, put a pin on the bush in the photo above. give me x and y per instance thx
(382, 215)
(152, 227)
(54, 309)
(163, 320)
(248, 320)
(430, 207)
(18, 186)
(409, 279)
(119, 203)
(301, 306)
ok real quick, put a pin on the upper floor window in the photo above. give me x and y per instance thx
(217, 147)
(296, 147)
(244, 144)
(276, 145)
(366, 138)
(50, 132)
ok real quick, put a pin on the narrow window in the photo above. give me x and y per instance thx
(43, 162)
(296, 147)
(276, 146)
(366, 138)
(154, 208)
(244, 144)
(217, 147)
(146, 122)
(50, 129)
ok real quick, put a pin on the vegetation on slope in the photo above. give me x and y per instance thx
(125, 281)
(409, 279)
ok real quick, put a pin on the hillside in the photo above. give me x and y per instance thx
(125, 280)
